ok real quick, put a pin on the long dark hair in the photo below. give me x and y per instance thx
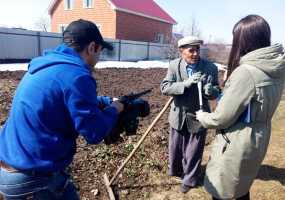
(250, 33)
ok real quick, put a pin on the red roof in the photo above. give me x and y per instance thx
(145, 7)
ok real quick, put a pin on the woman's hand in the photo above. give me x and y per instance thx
(200, 115)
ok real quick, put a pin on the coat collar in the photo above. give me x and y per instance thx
(183, 70)
(183, 65)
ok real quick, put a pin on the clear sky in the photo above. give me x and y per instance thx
(215, 19)
(22, 13)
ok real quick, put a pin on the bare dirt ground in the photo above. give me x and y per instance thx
(145, 176)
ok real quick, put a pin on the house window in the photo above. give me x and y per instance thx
(61, 28)
(159, 38)
(68, 4)
(87, 3)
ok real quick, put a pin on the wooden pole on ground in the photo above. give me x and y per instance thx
(106, 180)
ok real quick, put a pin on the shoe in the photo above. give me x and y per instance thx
(185, 188)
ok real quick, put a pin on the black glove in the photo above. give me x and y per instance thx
(208, 87)
(115, 135)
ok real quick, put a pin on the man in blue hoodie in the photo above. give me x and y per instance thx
(55, 102)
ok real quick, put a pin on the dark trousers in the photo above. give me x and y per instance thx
(244, 197)
(185, 155)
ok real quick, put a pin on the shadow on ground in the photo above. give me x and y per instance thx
(268, 173)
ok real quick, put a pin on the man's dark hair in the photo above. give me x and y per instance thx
(250, 33)
(80, 33)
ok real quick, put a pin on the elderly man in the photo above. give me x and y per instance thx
(186, 144)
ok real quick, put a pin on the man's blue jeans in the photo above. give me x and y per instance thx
(21, 186)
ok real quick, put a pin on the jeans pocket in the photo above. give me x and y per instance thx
(16, 185)
(61, 188)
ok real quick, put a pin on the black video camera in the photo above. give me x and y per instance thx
(134, 107)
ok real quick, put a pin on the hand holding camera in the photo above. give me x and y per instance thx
(132, 107)
(118, 105)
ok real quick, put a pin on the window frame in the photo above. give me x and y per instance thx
(66, 4)
(159, 37)
(91, 4)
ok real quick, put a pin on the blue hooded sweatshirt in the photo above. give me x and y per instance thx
(55, 101)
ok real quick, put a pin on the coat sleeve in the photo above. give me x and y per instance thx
(169, 85)
(238, 93)
(82, 103)
(216, 86)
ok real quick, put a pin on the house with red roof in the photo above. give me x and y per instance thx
(138, 20)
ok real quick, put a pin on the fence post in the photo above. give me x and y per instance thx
(148, 50)
(119, 50)
(39, 43)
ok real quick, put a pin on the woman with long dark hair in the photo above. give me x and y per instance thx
(243, 115)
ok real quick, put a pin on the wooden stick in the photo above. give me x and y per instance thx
(140, 141)
(109, 189)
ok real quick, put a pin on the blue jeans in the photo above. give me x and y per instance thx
(23, 186)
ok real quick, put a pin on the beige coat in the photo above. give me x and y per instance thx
(258, 81)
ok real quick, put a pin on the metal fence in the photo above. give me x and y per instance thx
(17, 45)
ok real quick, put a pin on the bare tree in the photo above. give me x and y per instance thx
(218, 52)
(219, 41)
(193, 28)
(171, 52)
(42, 23)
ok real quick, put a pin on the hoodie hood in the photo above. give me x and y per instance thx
(270, 60)
(60, 55)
